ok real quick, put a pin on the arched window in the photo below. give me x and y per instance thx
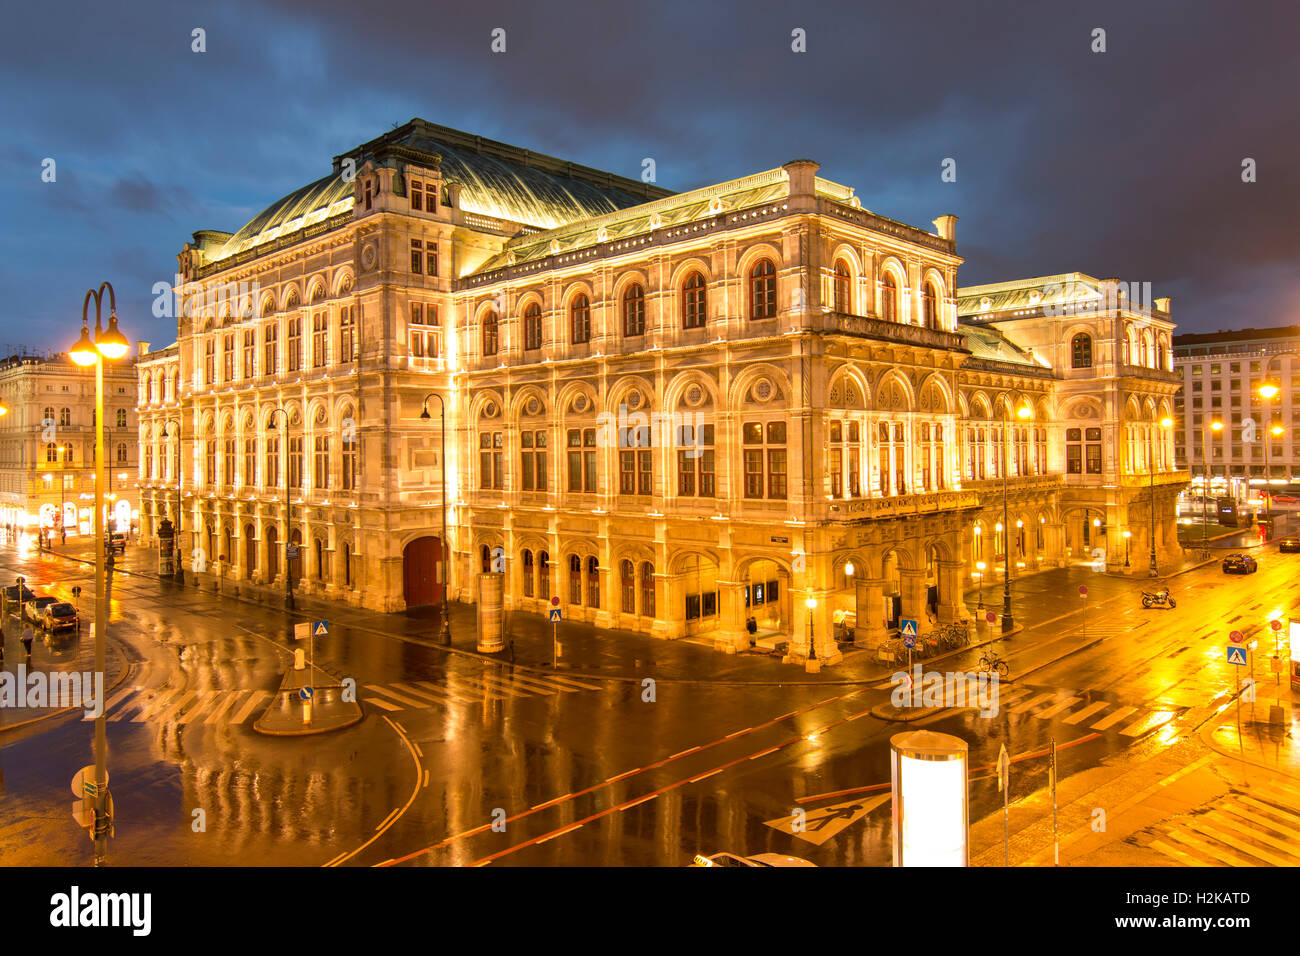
(593, 582)
(627, 591)
(762, 290)
(49, 414)
(840, 288)
(489, 333)
(1160, 353)
(575, 579)
(533, 327)
(529, 581)
(694, 302)
(634, 310)
(65, 417)
(648, 589)
(929, 312)
(1081, 351)
(889, 299)
(580, 319)
(52, 452)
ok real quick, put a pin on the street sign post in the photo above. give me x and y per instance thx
(991, 616)
(1236, 637)
(305, 695)
(1004, 786)
(555, 629)
(1083, 593)
(318, 629)
(1236, 655)
(1056, 839)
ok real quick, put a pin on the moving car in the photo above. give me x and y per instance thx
(58, 617)
(34, 608)
(1288, 545)
(758, 859)
(1239, 564)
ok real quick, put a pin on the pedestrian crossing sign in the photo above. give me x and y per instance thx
(1236, 655)
(320, 628)
(555, 614)
(908, 627)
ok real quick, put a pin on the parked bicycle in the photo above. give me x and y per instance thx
(990, 662)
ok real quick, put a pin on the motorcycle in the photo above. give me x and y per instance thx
(1159, 598)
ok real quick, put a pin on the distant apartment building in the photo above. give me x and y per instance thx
(1246, 380)
(47, 445)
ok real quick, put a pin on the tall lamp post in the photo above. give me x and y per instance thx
(1166, 424)
(180, 570)
(1267, 391)
(444, 629)
(108, 344)
(1022, 413)
(288, 507)
(1216, 427)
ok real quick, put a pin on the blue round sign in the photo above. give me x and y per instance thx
(909, 641)
(305, 693)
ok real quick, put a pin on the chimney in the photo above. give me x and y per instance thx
(802, 174)
(1163, 304)
(947, 227)
(142, 348)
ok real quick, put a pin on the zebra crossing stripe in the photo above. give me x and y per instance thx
(515, 689)
(255, 697)
(431, 696)
(208, 698)
(1147, 723)
(437, 689)
(1184, 858)
(1107, 722)
(1212, 852)
(408, 701)
(175, 706)
(1031, 703)
(528, 680)
(1227, 838)
(156, 704)
(480, 689)
(116, 699)
(1235, 824)
(561, 680)
(225, 705)
(380, 702)
(1087, 712)
(1253, 814)
(1057, 708)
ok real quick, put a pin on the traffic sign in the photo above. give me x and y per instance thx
(555, 614)
(1236, 655)
(1083, 590)
(990, 617)
(1004, 768)
(83, 783)
(320, 628)
(305, 693)
(555, 602)
(1275, 625)
(301, 630)
(908, 627)
(1236, 637)
(909, 641)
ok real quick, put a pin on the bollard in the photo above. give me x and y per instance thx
(306, 713)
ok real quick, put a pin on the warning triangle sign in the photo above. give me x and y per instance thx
(322, 628)
(909, 629)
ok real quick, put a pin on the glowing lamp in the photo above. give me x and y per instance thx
(848, 568)
(111, 343)
(1024, 411)
(84, 352)
(1268, 391)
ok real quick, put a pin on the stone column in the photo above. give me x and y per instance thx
(731, 635)
(871, 611)
(912, 583)
(1054, 544)
(952, 604)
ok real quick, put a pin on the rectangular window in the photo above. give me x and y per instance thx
(295, 344)
(431, 255)
(635, 466)
(1093, 440)
(250, 462)
(1074, 451)
(271, 354)
(417, 256)
(695, 461)
(250, 348)
(319, 333)
(322, 461)
(295, 462)
(271, 478)
(349, 461)
(347, 334)
(228, 357)
(489, 461)
(209, 362)
(417, 195)
(532, 453)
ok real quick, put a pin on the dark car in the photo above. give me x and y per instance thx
(34, 608)
(1289, 545)
(1239, 564)
(11, 600)
(58, 617)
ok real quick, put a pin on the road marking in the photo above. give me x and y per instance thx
(116, 699)
(210, 697)
(414, 793)
(408, 701)
(1087, 712)
(1185, 858)
(704, 776)
(256, 697)
(1259, 807)
(534, 687)
(420, 692)
(561, 680)
(1148, 723)
(1111, 720)
(439, 689)
(1209, 850)
(1057, 708)
(157, 703)
(507, 687)
(225, 705)
(468, 685)
(1031, 703)
(173, 708)
(1234, 823)
(1214, 833)
(426, 778)
(387, 819)
(379, 702)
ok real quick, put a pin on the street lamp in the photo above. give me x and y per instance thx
(1216, 427)
(1022, 413)
(444, 629)
(980, 566)
(180, 571)
(288, 507)
(108, 344)
(1127, 535)
(812, 647)
(1165, 423)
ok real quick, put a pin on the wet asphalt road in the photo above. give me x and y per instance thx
(574, 770)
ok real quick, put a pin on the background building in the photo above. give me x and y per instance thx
(1222, 375)
(47, 445)
(674, 412)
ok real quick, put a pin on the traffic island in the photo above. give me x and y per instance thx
(310, 701)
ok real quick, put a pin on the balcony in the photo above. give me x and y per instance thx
(901, 506)
(1144, 479)
(881, 330)
(1152, 374)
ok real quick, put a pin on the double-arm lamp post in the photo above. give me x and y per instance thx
(108, 344)
(288, 506)
(1166, 424)
(1216, 426)
(1023, 413)
(180, 467)
(1271, 431)
(444, 630)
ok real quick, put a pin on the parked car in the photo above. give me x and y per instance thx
(33, 609)
(1288, 545)
(11, 600)
(115, 542)
(1239, 564)
(758, 859)
(59, 616)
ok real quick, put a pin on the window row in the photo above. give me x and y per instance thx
(304, 347)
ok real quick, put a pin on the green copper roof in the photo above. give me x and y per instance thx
(988, 343)
(1071, 289)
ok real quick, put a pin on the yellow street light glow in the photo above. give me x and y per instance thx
(980, 565)
(812, 603)
(1024, 411)
(111, 343)
(1268, 391)
(1217, 426)
(848, 568)
(1276, 429)
(1096, 522)
(1128, 534)
(84, 352)
(1166, 423)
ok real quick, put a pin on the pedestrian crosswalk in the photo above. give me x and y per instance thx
(1082, 708)
(1254, 826)
(181, 705)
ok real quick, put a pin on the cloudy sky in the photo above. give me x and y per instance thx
(1121, 163)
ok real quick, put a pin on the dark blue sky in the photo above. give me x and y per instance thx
(1123, 163)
